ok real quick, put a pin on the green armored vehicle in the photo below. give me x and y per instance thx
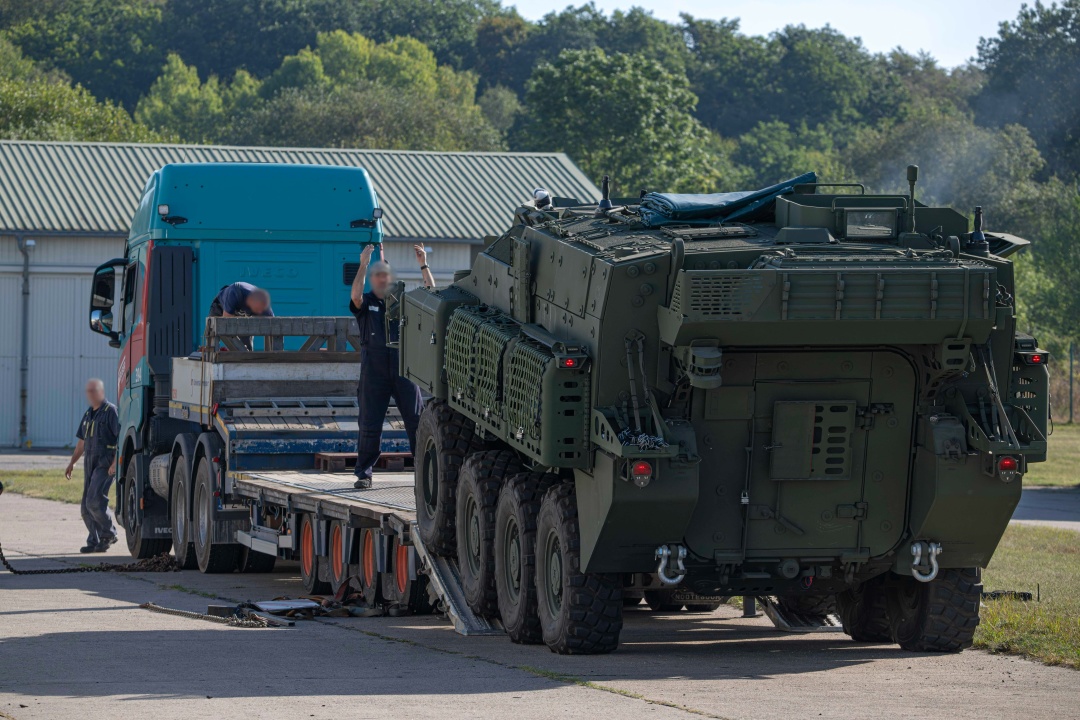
(808, 393)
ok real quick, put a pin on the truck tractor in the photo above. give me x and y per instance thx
(810, 393)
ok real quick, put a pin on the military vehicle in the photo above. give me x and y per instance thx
(808, 392)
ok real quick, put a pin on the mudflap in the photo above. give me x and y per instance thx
(151, 511)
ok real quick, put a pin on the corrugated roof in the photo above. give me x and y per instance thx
(94, 187)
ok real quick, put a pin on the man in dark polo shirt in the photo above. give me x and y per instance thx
(379, 379)
(97, 434)
(241, 299)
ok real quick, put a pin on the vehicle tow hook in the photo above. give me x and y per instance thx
(931, 550)
(663, 554)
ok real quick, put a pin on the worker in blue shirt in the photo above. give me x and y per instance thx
(379, 379)
(241, 299)
(97, 434)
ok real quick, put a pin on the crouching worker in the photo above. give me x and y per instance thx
(242, 299)
(97, 433)
(379, 379)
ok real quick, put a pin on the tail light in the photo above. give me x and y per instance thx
(1033, 358)
(1007, 467)
(641, 472)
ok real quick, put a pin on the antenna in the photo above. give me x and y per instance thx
(912, 178)
(605, 189)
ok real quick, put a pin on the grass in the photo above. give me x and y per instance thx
(1043, 560)
(46, 484)
(1060, 469)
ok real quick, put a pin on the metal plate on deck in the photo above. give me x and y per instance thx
(392, 490)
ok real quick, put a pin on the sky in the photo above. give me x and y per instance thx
(947, 29)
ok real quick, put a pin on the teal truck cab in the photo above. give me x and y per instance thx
(294, 230)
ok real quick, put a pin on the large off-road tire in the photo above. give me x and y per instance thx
(580, 613)
(443, 439)
(310, 560)
(138, 546)
(180, 516)
(938, 616)
(404, 593)
(515, 554)
(213, 557)
(481, 477)
(864, 612)
(817, 606)
(662, 601)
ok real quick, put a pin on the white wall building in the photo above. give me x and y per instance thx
(69, 204)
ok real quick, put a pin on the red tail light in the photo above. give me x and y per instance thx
(641, 469)
(1008, 464)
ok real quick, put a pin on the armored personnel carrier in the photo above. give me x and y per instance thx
(808, 392)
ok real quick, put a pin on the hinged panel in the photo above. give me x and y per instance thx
(792, 440)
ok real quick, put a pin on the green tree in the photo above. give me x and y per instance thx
(773, 152)
(302, 70)
(365, 115)
(619, 114)
(500, 106)
(179, 104)
(111, 47)
(36, 104)
(346, 57)
(1033, 78)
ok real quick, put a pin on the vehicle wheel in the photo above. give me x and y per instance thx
(817, 606)
(580, 613)
(703, 607)
(250, 561)
(864, 611)
(139, 547)
(179, 508)
(370, 583)
(309, 560)
(337, 562)
(515, 554)
(938, 616)
(479, 482)
(398, 588)
(443, 439)
(662, 601)
(213, 557)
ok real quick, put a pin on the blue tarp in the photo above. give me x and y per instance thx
(671, 208)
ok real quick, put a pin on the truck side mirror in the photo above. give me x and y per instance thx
(102, 298)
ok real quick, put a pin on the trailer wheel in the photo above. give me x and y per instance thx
(179, 509)
(864, 611)
(443, 439)
(337, 564)
(515, 554)
(213, 557)
(398, 589)
(815, 606)
(938, 616)
(477, 495)
(662, 601)
(250, 561)
(310, 560)
(580, 613)
(370, 583)
(139, 547)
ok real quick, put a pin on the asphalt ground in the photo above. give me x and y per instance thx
(79, 646)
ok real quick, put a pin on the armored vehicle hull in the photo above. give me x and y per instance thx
(817, 397)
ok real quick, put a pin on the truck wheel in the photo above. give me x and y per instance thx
(938, 616)
(817, 606)
(179, 506)
(580, 613)
(250, 561)
(515, 554)
(398, 588)
(443, 439)
(309, 560)
(337, 566)
(213, 557)
(864, 611)
(370, 583)
(139, 547)
(477, 495)
(662, 601)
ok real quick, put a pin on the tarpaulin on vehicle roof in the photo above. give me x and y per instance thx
(686, 209)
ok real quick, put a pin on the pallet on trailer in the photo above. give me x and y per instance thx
(332, 462)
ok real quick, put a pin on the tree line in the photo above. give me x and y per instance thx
(695, 105)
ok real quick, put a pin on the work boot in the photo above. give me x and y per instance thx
(107, 543)
(362, 483)
(86, 549)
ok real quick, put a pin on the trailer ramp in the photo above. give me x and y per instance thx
(445, 582)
